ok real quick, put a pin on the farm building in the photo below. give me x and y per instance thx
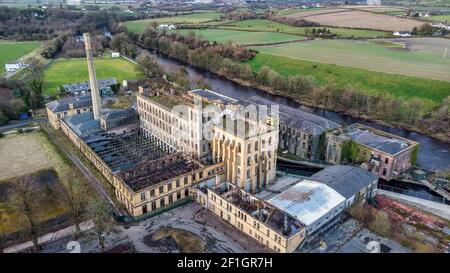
(164, 26)
(13, 66)
(384, 154)
(105, 87)
(402, 34)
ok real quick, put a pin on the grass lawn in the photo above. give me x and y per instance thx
(422, 57)
(241, 37)
(267, 25)
(64, 71)
(372, 82)
(11, 51)
(33, 155)
(441, 18)
(194, 18)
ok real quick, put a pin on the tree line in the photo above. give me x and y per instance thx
(229, 60)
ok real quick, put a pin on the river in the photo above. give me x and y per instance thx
(433, 154)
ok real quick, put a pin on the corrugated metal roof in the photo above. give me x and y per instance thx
(307, 201)
(346, 180)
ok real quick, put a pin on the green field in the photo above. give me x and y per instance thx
(64, 71)
(267, 25)
(421, 57)
(194, 18)
(11, 51)
(241, 37)
(441, 18)
(432, 91)
(294, 10)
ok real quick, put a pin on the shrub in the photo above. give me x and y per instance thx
(381, 224)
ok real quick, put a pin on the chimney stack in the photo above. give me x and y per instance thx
(96, 101)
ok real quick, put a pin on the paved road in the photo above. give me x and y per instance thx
(90, 178)
(17, 124)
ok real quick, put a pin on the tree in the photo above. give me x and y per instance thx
(426, 29)
(381, 224)
(149, 64)
(34, 87)
(76, 197)
(25, 199)
(181, 78)
(98, 212)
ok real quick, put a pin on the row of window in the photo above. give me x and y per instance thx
(162, 201)
(168, 187)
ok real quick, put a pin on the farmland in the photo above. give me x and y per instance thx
(11, 51)
(358, 19)
(431, 91)
(441, 18)
(241, 37)
(421, 57)
(266, 25)
(34, 156)
(64, 71)
(194, 18)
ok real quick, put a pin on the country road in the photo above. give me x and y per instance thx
(17, 124)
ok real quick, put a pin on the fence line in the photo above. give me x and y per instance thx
(413, 194)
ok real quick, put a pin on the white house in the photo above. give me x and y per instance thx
(115, 54)
(167, 27)
(11, 67)
(401, 34)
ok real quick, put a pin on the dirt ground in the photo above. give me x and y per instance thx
(23, 154)
(415, 229)
(359, 19)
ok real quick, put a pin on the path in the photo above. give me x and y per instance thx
(20, 123)
(90, 178)
(49, 237)
(435, 208)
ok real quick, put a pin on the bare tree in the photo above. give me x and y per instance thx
(76, 196)
(98, 212)
(25, 199)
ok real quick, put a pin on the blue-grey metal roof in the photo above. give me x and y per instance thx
(296, 118)
(83, 124)
(388, 144)
(346, 180)
(211, 95)
(63, 104)
(85, 86)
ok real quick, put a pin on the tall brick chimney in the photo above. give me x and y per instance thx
(96, 100)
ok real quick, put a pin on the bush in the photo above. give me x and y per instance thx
(381, 224)
(2, 135)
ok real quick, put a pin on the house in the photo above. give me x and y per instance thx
(13, 66)
(167, 27)
(115, 54)
(401, 34)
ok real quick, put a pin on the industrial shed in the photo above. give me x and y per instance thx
(312, 203)
(349, 181)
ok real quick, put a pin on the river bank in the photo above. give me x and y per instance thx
(433, 154)
(443, 137)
